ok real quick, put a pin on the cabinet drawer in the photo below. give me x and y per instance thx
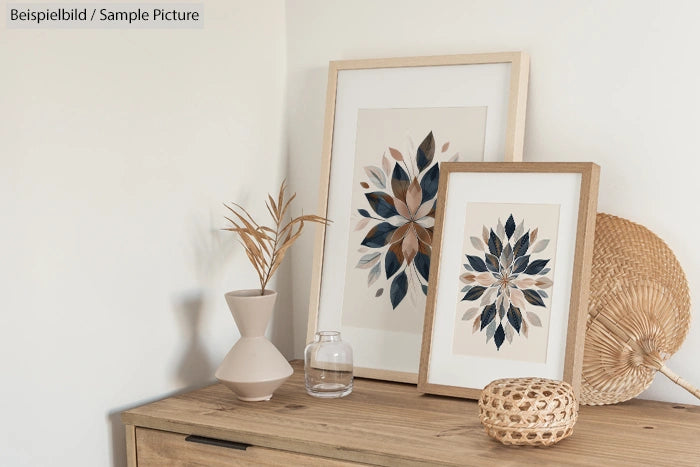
(155, 447)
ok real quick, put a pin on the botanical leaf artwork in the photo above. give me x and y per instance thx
(505, 280)
(399, 214)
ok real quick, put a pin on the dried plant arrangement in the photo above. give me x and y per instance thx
(266, 246)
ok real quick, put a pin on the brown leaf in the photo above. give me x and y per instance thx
(401, 208)
(533, 236)
(362, 223)
(422, 233)
(396, 154)
(275, 209)
(364, 185)
(414, 196)
(386, 165)
(477, 324)
(409, 246)
(445, 146)
(400, 233)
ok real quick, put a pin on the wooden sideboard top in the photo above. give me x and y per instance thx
(389, 423)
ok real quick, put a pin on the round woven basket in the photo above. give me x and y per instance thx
(528, 411)
(638, 313)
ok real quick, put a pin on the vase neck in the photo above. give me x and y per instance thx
(327, 336)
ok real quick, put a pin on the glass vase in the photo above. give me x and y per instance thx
(328, 366)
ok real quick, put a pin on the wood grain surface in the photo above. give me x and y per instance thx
(389, 423)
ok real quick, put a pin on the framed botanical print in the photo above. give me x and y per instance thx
(509, 275)
(390, 124)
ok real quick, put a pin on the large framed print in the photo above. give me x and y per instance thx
(390, 124)
(510, 272)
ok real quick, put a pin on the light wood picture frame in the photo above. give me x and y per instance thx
(510, 273)
(389, 124)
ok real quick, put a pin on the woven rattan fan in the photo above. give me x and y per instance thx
(638, 315)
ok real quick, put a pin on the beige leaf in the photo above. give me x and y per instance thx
(517, 298)
(523, 328)
(485, 278)
(469, 314)
(485, 235)
(534, 319)
(525, 283)
(413, 196)
(424, 209)
(487, 298)
(533, 236)
(467, 278)
(401, 208)
(409, 246)
(454, 158)
(544, 283)
(445, 146)
(396, 154)
(476, 325)
(362, 223)
(386, 165)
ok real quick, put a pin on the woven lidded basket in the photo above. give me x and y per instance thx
(528, 411)
(638, 312)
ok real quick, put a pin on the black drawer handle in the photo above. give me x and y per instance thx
(217, 442)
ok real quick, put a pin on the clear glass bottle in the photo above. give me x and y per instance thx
(328, 366)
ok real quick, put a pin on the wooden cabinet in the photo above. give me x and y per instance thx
(383, 423)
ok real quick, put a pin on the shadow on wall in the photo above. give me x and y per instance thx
(195, 365)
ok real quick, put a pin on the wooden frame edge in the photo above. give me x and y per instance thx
(580, 281)
(131, 454)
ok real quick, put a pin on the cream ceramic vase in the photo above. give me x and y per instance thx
(253, 369)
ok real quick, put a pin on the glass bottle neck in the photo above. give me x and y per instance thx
(328, 336)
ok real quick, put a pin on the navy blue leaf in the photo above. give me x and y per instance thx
(487, 315)
(515, 318)
(533, 297)
(521, 264)
(499, 336)
(495, 245)
(429, 183)
(391, 263)
(536, 266)
(379, 235)
(382, 203)
(475, 292)
(399, 287)
(425, 289)
(399, 182)
(422, 262)
(510, 226)
(491, 262)
(426, 150)
(521, 245)
(364, 213)
(477, 263)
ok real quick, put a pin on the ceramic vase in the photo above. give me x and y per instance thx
(253, 369)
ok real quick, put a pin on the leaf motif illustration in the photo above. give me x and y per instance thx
(454, 158)
(364, 185)
(424, 288)
(396, 154)
(515, 318)
(533, 319)
(425, 152)
(376, 176)
(510, 226)
(477, 263)
(490, 331)
(517, 298)
(544, 271)
(468, 267)
(500, 230)
(414, 195)
(368, 260)
(363, 249)
(536, 266)
(540, 246)
(521, 264)
(506, 256)
(364, 213)
(487, 315)
(488, 297)
(361, 224)
(533, 235)
(523, 328)
(399, 182)
(491, 262)
(409, 246)
(474, 293)
(495, 245)
(399, 287)
(519, 229)
(386, 164)
(499, 336)
(374, 274)
(533, 297)
(509, 332)
(393, 259)
(382, 204)
(469, 314)
(477, 243)
(445, 147)
(379, 235)
(422, 262)
(467, 277)
(379, 293)
(521, 245)
(429, 183)
(465, 288)
(485, 235)
(543, 282)
(542, 293)
(477, 324)
(501, 312)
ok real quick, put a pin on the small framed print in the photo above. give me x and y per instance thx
(509, 275)
(390, 124)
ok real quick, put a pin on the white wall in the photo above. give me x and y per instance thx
(611, 82)
(117, 148)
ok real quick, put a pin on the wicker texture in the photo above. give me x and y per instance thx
(638, 313)
(528, 411)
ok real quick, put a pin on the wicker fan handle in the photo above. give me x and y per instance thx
(680, 381)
